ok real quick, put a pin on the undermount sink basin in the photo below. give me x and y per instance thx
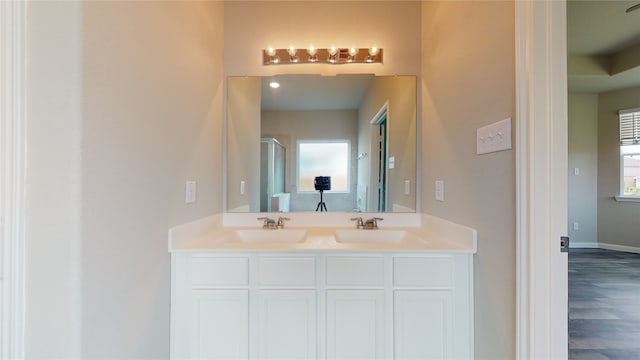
(271, 236)
(370, 236)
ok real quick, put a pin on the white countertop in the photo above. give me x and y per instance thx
(416, 232)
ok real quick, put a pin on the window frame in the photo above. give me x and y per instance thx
(627, 141)
(323, 141)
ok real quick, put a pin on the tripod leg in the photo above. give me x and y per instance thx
(319, 206)
(324, 206)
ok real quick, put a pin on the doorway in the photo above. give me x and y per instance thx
(381, 162)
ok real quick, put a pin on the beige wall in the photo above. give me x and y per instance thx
(243, 143)
(152, 99)
(251, 26)
(399, 93)
(617, 221)
(468, 81)
(124, 106)
(583, 154)
(53, 269)
(290, 126)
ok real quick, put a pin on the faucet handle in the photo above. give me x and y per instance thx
(359, 223)
(372, 223)
(268, 223)
(281, 221)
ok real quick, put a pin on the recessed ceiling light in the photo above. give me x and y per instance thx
(274, 85)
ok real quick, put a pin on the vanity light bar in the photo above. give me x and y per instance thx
(313, 55)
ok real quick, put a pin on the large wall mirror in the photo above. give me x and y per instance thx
(357, 130)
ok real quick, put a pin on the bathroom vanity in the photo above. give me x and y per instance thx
(321, 289)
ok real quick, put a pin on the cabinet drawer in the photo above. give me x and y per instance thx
(219, 271)
(428, 272)
(287, 271)
(355, 271)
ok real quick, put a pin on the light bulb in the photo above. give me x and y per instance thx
(373, 51)
(353, 52)
(292, 50)
(271, 51)
(312, 51)
(332, 50)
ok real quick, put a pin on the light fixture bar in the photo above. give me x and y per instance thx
(273, 56)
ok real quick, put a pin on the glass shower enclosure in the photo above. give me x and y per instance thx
(272, 175)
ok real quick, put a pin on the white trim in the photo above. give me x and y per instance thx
(583, 245)
(615, 247)
(627, 111)
(381, 115)
(606, 246)
(631, 249)
(541, 192)
(522, 182)
(627, 198)
(12, 175)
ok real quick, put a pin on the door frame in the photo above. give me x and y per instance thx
(541, 179)
(12, 176)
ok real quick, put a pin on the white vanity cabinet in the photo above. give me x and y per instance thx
(330, 305)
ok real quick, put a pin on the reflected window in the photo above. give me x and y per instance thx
(630, 152)
(323, 158)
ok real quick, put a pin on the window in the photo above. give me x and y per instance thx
(323, 158)
(630, 152)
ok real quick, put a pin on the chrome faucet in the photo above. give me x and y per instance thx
(271, 224)
(372, 224)
(281, 221)
(359, 222)
(268, 223)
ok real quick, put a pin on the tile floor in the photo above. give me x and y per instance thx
(604, 304)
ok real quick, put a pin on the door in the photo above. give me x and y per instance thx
(541, 179)
(219, 326)
(379, 162)
(423, 324)
(287, 324)
(355, 324)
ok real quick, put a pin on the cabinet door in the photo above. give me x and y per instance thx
(423, 327)
(355, 324)
(219, 325)
(287, 324)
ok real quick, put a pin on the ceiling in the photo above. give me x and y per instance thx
(315, 92)
(603, 44)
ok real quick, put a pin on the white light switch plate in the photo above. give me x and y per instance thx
(494, 137)
(439, 190)
(190, 192)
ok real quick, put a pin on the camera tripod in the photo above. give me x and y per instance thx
(321, 205)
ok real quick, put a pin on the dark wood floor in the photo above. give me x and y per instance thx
(604, 304)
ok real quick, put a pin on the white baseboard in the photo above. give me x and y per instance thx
(631, 249)
(583, 245)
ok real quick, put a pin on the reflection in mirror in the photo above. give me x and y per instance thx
(359, 130)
